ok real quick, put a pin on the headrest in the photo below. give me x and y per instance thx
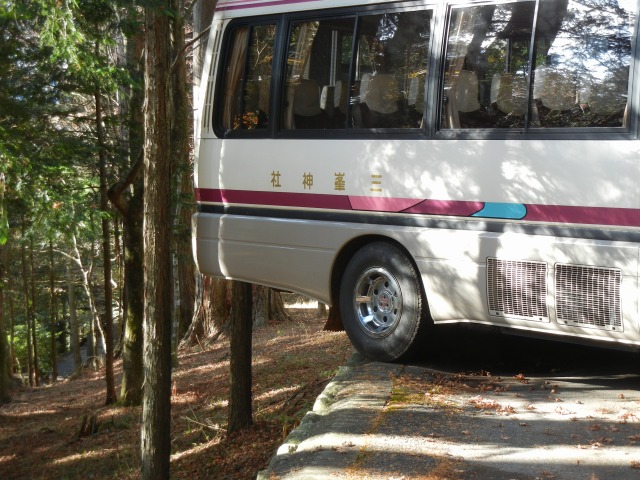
(509, 92)
(609, 96)
(556, 91)
(415, 95)
(325, 97)
(340, 96)
(380, 92)
(306, 99)
(467, 91)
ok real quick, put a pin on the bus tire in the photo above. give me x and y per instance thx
(381, 302)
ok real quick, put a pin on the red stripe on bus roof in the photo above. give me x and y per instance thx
(240, 4)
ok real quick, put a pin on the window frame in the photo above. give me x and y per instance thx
(434, 82)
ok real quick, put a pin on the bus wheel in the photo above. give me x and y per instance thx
(381, 302)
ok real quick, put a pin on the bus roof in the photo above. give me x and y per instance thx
(246, 8)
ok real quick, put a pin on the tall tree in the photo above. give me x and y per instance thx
(127, 196)
(5, 357)
(52, 315)
(106, 246)
(156, 405)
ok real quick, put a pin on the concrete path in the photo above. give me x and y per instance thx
(389, 421)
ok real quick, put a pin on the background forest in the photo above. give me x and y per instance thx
(71, 138)
(96, 192)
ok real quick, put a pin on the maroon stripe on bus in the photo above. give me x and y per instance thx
(624, 217)
(274, 199)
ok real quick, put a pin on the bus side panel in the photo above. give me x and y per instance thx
(294, 255)
(298, 255)
(454, 270)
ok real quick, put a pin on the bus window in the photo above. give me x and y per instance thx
(485, 84)
(247, 79)
(389, 69)
(315, 65)
(583, 53)
(581, 59)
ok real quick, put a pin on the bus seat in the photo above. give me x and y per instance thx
(340, 104)
(415, 97)
(381, 94)
(306, 105)
(557, 92)
(340, 97)
(609, 97)
(380, 98)
(326, 99)
(509, 93)
(466, 89)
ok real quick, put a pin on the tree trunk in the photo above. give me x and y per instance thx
(132, 369)
(183, 172)
(212, 310)
(5, 356)
(106, 249)
(52, 315)
(27, 312)
(240, 411)
(73, 324)
(34, 330)
(156, 405)
(4, 347)
(12, 333)
(268, 305)
(131, 208)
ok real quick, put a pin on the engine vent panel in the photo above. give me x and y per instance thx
(588, 296)
(517, 289)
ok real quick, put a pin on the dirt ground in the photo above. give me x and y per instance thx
(292, 362)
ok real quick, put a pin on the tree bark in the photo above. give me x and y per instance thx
(11, 329)
(5, 358)
(106, 249)
(156, 405)
(27, 311)
(131, 207)
(34, 330)
(132, 369)
(183, 172)
(212, 310)
(52, 315)
(240, 411)
(73, 323)
(268, 305)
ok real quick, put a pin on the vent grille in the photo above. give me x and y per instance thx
(207, 113)
(588, 296)
(517, 289)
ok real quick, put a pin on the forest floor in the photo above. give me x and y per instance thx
(292, 362)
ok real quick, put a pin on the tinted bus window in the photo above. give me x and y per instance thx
(583, 53)
(581, 59)
(388, 69)
(247, 78)
(485, 82)
(317, 60)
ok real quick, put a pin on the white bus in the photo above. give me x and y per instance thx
(418, 163)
